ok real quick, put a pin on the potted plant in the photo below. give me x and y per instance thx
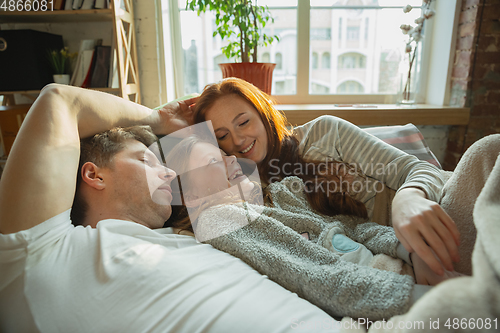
(241, 22)
(60, 61)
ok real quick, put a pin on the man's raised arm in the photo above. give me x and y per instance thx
(39, 179)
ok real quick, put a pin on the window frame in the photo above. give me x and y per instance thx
(438, 53)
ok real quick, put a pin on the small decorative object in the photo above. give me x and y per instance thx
(409, 76)
(61, 78)
(242, 23)
(60, 61)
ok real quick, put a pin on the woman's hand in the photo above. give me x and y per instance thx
(177, 115)
(424, 275)
(422, 226)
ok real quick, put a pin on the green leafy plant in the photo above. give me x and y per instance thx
(249, 20)
(60, 60)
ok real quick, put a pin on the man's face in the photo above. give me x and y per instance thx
(141, 185)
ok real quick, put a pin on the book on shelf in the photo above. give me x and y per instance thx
(68, 5)
(84, 68)
(83, 4)
(84, 61)
(59, 4)
(88, 4)
(77, 4)
(101, 66)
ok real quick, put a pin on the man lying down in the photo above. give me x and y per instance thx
(117, 272)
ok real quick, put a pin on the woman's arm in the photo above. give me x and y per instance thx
(423, 227)
(420, 224)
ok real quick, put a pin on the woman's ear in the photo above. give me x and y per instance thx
(92, 176)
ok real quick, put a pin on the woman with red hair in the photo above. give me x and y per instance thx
(345, 170)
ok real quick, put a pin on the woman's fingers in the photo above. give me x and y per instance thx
(413, 233)
(448, 233)
(426, 254)
(429, 230)
(403, 240)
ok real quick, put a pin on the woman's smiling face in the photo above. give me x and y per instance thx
(238, 128)
(211, 172)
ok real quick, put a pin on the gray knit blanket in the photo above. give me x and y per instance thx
(269, 239)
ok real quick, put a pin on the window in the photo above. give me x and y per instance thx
(350, 87)
(266, 57)
(315, 60)
(321, 34)
(325, 60)
(353, 33)
(351, 60)
(279, 61)
(327, 48)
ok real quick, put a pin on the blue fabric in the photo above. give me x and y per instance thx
(343, 244)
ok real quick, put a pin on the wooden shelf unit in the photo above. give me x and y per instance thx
(57, 16)
(122, 20)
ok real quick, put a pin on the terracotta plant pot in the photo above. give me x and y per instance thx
(259, 74)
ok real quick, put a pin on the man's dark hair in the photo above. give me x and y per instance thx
(100, 150)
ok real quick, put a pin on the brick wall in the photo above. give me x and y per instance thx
(475, 81)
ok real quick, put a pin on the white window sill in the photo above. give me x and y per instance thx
(378, 114)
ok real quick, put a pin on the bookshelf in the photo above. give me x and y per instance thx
(120, 16)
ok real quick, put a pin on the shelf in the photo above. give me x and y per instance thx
(378, 114)
(120, 16)
(57, 16)
(33, 92)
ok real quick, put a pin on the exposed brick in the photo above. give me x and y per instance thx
(478, 126)
(491, 12)
(485, 111)
(458, 93)
(490, 26)
(457, 133)
(460, 84)
(451, 160)
(467, 29)
(480, 71)
(491, 84)
(479, 96)
(460, 72)
(468, 15)
(470, 3)
(488, 43)
(465, 43)
(494, 98)
(463, 58)
(473, 134)
(488, 57)
(490, 78)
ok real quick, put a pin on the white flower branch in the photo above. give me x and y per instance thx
(414, 36)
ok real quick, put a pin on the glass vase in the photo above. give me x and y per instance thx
(409, 78)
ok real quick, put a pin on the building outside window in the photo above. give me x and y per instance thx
(362, 58)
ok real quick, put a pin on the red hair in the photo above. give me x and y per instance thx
(275, 122)
(281, 145)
